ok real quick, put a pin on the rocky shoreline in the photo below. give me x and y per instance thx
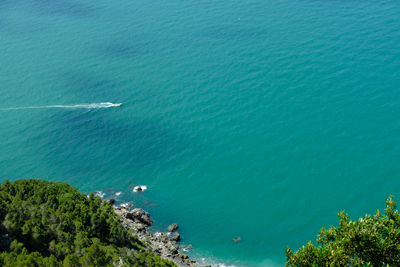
(164, 244)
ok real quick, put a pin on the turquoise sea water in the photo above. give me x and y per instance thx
(258, 119)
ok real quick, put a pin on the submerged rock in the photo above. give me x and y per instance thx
(109, 191)
(237, 239)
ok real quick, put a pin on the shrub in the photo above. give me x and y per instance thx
(370, 241)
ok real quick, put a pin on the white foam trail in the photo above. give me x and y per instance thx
(86, 106)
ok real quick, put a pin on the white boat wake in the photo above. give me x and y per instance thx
(86, 106)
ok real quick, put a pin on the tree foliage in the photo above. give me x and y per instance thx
(370, 241)
(46, 223)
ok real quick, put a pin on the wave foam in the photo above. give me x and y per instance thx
(99, 194)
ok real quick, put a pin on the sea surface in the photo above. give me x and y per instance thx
(252, 119)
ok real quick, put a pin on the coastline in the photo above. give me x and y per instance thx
(164, 244)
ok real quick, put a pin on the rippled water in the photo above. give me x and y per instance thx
(258, 119)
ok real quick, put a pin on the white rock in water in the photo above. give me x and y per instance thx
(139, 188)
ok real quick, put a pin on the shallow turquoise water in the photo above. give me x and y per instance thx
(259, 119)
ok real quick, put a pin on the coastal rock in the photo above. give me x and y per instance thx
(176, 237)
(162, 238)
(163, 244)
(139, 215)
(110, 201)
(173, 249)
(127, 205)
(139, 227)
(173, 227)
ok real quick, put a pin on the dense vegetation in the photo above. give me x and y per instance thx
(371, 241)
(51, 224)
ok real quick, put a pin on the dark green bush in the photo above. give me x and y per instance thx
(371, 241)
(46, 223)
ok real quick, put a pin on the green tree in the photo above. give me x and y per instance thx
(370, 241)
(46, 223)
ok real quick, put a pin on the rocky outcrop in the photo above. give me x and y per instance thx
(166, 245)
(173, 227)
(176, 237)
(140, 216)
